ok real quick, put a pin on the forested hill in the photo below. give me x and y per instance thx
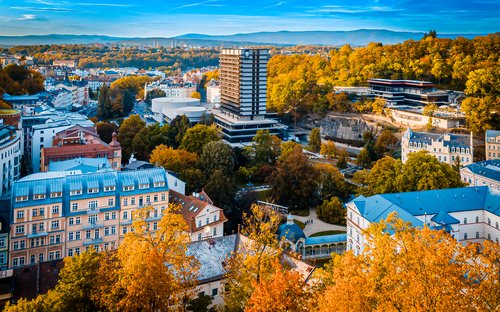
(330, 38)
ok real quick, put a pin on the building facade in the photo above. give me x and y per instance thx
(492, 140)
(243, 87)
(414, 117)
(11, 150)
(447, 148)
(407, 92)
(469, 214)
(483, 173)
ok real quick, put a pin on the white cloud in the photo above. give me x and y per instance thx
(194, 4)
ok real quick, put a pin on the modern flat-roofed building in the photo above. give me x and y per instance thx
(469, 214)
(482, 173)
(407, 92)
(243, 91)
(492, 139)
(445, 147)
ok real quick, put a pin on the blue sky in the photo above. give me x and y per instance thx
(144, 18)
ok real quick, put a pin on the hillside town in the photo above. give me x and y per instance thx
(194, 175)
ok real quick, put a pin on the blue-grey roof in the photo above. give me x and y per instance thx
(492, 133)
(51, 182)
(211, 255)
(454, 140)
(291, 232)
(444, 218)
(411, 204)
(489, 169)
(326, 239)
(83, 164)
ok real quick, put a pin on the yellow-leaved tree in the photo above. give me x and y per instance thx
(254, 261)
(150, 271)
(403, 268)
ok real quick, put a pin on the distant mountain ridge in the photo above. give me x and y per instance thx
(332, 38)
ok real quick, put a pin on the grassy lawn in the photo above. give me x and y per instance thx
(301, 212)
(327, 233)
(300, 224)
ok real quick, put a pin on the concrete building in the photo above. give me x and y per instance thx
(171, 89)
(445, 147)
(414, 117)
(407, 92)
(213, 92)
(167, 108)
(482, 173)
(469, 214)
(492, 139)
(11, 149)
(243, 86)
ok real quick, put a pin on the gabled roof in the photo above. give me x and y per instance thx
(444, 218)
(489, 169)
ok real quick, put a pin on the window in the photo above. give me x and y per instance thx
(155, 198)
(489, 221)
(132, 201)
(113, 229)
(87, 234)
(54, 224)
(477, 219)
(93, 204)
(199, 223)
(106, 231)
(75, 192)
(77, 251)
(124, 230)
(215, 292)
(20, 214)
(148, 199)
(106, 216)
(2, 242)
(34, 212)
(40, 226)
(78, 235)
(51, 255)
(20, 229)
(159, 184)
(111, 202)
(15, 262)
(128, 188)
(199, 236)
(42, 211)
(109, 188)
(207, 220)
(70, 252)
(92, 219)
(15, 245)
(74, 206)
(143, 186)
(163, 196)
(113, 215)
(55, 194)
(71, 236)
(465, 220)
(21, 198)
(78, 220)
(489, 236)
(125, 215)
(465, 235)
(477, 234)
(93, 190)
(155, 226)
(125, 202)
(39, 196)
(496, 225)
(55, 209)
(32, 259)
(215, 231)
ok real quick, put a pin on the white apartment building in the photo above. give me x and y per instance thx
(483, 173)
(469, 214)
(445, 147)
(10, 157)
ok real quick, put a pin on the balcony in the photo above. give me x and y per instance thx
(37, 234)
(93, 226)
(94, 241)
(93, 210)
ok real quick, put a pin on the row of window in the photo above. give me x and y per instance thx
(35, 212)
(36, 242)
(207, 220)
(141, 201)
(38, 227)
(20, 261)
(38, 196)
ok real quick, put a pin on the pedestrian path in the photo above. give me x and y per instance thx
(317, 225)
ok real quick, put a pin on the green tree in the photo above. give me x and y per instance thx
(148, 138)
(330, 181)
(332, 211)
(197, 137)
(178, 128)
(364, 158)
(195, 179)
(153, 94)
(221, 189)
(105, 130)
(265, 148)
(217, 155)
(386, 142)
(126, 133)
(315, 140)
(104, 108)
(293, 183)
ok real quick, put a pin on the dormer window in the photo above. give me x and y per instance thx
(75, 192)
(55, 194)
(109, 188)
(128, 188)
(159, 184)
(21, 198)
(39, 196)
(93, 190)
(143, 186)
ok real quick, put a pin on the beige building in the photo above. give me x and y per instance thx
(445, 147)
(483, 173)
(492, 144)
(59, 214)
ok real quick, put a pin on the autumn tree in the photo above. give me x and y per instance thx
(330, 181)
(284, 290)
(386, 142)
(315, 140)
(19, 80)
(255, 260)
(328, 149)
(172, 159)
(293, 184)
(154, 271)
(195, 95)
(342, 158)
(332, 211)
(364, 158)
(403, 268)
(286, 148)
(197, 137)
(126, 133)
